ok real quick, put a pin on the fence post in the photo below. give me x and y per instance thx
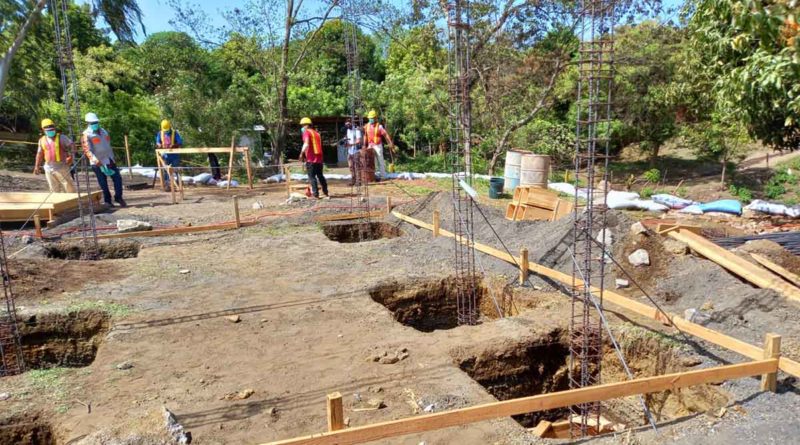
(236, 211)
(772, 349)
(335, 412)
(523, 266)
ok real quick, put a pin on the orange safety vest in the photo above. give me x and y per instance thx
(164, 138)
(56, 148)
(376, 134)
(316, 141)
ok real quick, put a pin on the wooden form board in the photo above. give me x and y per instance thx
(178, 230)
(746, 349)
(530, 404)
(20, 206)
(347, 216)
(777, 268)
(245, 151)
(759, 276)
(532, 203)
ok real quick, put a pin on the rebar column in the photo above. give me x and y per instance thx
(591, 154)
(11, 360)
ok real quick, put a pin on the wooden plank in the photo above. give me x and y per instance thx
(37, 224)
(230, 162)
(772, 350)
(347, 216)
(249, 169)
(523, 266)
(541, 198)
(777, 268)
(543, 428)
(563, 209)
(237, 221)
(128, 157)
(739, 266)
(437, 223)
(335, 412)
(664, 228)
(530, 404)
(177, 230)
(537, 214)
(754, 352)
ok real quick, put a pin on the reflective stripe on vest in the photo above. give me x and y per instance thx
(56, 147)
(316, 143)
(171, 139)
(376, 134)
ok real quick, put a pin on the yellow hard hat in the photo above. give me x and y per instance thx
(372, 114)
(48, 123)
(165, 125)
(305, 121)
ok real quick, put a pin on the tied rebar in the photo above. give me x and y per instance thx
(596, 70)
(11, 360)
(69, 85)
(458, 24)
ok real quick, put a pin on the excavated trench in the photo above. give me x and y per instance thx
(79, 251)
(68, 340)
(517, 368)
(426, 305)
(27, 429)
(360, 232)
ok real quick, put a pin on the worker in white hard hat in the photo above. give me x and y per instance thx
(55, 150)
(374, 134)
(97, 146)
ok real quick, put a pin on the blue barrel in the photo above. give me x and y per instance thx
(496, 187)
(512, 170)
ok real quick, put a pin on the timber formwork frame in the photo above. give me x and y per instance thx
(458, 25)
(595, 69)
(11, 360)
(69, 85)
(359, 193)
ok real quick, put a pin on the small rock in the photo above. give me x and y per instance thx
(5, 396)
(26, 239)
(403, 350)
(339, 336)
(639, 257)
(258, 205)
(263, 320)
(241, 395)
(638, 228)
(233, 318)
(402, 356)
(272, 411)
(605, 237)
(691, 362)
(696, 316)
(389, 360)
(676, 247)
(429, 408)
(184, 271)
(375, 389)
(346, 421)
(124, 365)
(375, 403)
(621, 284)
(132, 225)
(707, 306)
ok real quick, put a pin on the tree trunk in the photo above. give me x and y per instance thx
(283, 83)
(654, 156)
(5, 62)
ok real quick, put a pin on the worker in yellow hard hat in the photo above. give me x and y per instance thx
(374, 134)
(312, 154)
(169, 138)
(55, 150)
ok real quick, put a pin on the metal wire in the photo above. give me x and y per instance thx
(11, 359)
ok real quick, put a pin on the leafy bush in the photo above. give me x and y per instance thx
(647, 192)
(780, 183)
(743, 193)
(774, 190)
(653, 176)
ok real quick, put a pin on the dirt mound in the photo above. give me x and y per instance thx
(772, 251)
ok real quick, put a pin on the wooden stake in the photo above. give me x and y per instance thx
(523, 266)
(37, 223)
(161, 167)
(230, 162)
(436, 223)
(288, 174)
(249, 170)
(335, 412)
(236, 211)
(128, 156)
(388, 204)
(179, 178)
(772, 349)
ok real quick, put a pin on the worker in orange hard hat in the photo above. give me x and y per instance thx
(55, 150)
(312, 154)
(374, 134)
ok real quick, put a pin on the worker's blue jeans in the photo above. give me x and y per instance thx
(171, 160)
(102, 180)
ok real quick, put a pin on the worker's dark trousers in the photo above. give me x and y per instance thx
(315, 172)
(213, 162)
(102, 180)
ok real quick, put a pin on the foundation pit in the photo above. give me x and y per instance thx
(67, 340)
(26, 429)
(106, 251)
(425, 305)
(360, 232)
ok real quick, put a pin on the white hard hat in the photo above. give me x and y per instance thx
(91, 117)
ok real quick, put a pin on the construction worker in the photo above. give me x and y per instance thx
(374, 133)
(55, 150)
(312, 154)
(352, 141)
(97, 147)
(169, 138)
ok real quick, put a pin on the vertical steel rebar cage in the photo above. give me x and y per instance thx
(458, 24)
(69, 85)
(11, 360)
(596, 68)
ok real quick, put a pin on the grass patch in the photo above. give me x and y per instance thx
(116, 310)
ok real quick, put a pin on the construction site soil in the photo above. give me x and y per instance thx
(242, 333)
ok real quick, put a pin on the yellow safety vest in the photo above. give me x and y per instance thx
(56, 147)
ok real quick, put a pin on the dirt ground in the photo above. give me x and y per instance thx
(243, 333)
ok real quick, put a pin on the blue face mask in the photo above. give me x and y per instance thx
(372, 121)
(94, 126)
(302, 130)
(50, 133)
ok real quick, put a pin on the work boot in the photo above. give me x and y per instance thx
(121, 202)
(326, 197)
(109, 204)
